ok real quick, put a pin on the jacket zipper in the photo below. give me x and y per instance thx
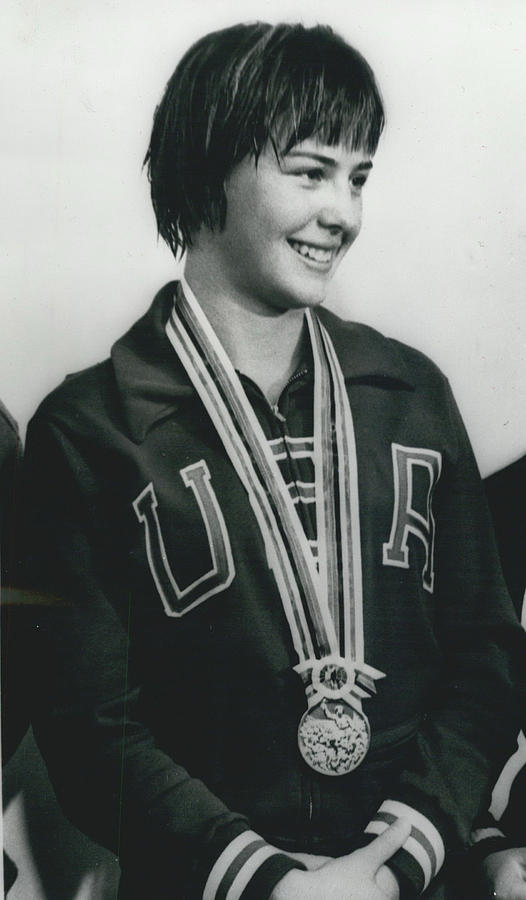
(282, 421)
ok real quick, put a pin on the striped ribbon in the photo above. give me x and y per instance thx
(322, 602)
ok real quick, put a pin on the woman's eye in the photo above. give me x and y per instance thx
(313, 174)
(358, 181)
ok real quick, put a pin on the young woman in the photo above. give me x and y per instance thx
(278, 656)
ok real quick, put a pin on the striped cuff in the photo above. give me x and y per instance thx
(424, 845)
(247, 868)
(488, 840)
(482, 834)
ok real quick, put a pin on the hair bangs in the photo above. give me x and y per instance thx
(332, 118)
(322, 87)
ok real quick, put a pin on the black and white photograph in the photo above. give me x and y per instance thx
(263, 450)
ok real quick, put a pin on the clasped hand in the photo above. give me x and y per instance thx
(504, 874)
(362, 875)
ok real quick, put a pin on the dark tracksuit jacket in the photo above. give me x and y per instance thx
(167, 706)
(9, 459)
(506, 493)
(13, 670)
(14, 706)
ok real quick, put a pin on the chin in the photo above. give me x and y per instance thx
(311, 300)
(289, 302)
(306, 297)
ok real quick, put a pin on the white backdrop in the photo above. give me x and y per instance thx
(441, 262)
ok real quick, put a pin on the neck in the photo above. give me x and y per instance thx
(263, 343)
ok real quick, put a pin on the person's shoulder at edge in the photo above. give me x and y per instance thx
(7, 421)
(9, 437)
(513, 476)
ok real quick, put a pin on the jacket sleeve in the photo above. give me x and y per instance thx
(473, 718)
(111, 778)
(506, 493)
(14, 678)
(491, 835)
(10, 452)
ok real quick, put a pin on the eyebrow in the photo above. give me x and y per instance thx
(326, 160)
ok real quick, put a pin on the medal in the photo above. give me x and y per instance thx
(334, 734)
(322, 599)
(333, 738)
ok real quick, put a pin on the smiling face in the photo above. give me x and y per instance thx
(289, 223)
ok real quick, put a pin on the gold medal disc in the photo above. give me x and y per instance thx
(333, 737)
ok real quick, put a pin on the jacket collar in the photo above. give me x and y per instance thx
(365, 354)
(152, 382)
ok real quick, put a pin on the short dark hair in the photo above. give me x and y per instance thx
(238, 89)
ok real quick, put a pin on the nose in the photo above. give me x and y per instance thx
(342, 213)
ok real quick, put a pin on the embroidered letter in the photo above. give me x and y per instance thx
(179, 600)
(405, 517)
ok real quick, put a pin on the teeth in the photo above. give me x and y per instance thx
(316, 253)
